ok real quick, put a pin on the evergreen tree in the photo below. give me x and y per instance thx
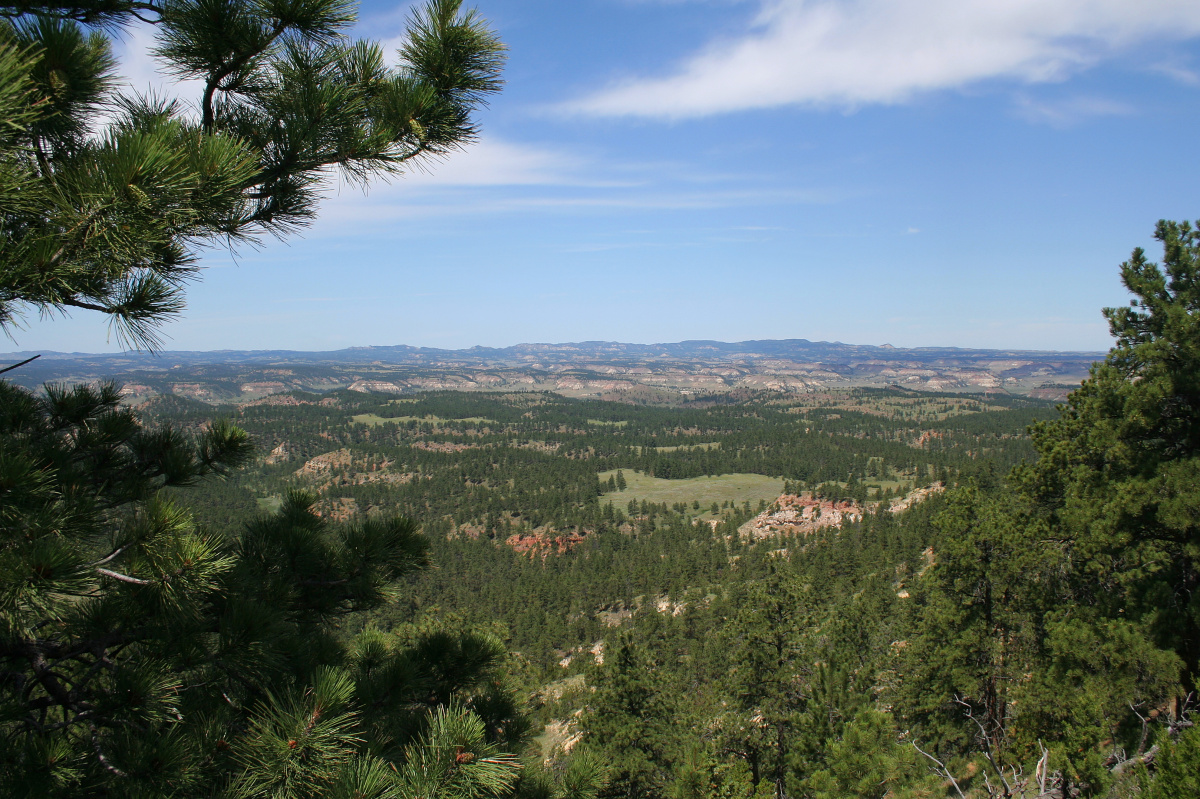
(771, 673)
(1056, 611)
(141, 655)
(1114, 486)
(976, 635)
(628, 720)
(1117, 472)
(1177, 768)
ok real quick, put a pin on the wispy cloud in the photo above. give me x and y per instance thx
(348, 213)
(1072, 110)
(494, 176)
(1177, 72)
(845, 53)
(494, 162)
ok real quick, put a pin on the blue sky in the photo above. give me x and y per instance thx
(912, 172)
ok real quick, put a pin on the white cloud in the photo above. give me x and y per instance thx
(350, 211)
(845, 53)
(139, 69)
(486, 163)
(492, 162)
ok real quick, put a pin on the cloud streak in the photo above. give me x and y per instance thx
(1064, 113)
(848, 53)
(494, 176)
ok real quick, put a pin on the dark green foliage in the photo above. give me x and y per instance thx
(628, 720)
(579, 775)
(1177, 768)
(1062, 608)
(866, 761)
(1117, 472)
(977, 615)
(141, 656)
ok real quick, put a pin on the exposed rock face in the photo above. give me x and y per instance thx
(264, 387)
(544, 543)
(922, 441)
(804, 514)
(663, 604)
(279, 454)
(369, 386)
(197, 391)
(801, 514)
(340, 468)
(915, 496)
(325, 463)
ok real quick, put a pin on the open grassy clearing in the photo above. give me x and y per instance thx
(373, 419)
(607, 423)
(269, 504)
(737, 488)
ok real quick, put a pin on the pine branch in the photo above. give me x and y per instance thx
(19, 365)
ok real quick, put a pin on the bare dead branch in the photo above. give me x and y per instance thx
(941, 770)
(124, 578)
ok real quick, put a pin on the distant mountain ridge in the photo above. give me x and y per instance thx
(403, 353)
(587, 368)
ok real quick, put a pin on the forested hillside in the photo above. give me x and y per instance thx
(1029, 631)
(588, 505)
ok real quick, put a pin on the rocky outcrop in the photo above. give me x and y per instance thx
(379, 386)
(804, 514)
(913, 497)
(922, 440)
(544, 543)
(800, 514)
(279, 454)
(323, 464)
